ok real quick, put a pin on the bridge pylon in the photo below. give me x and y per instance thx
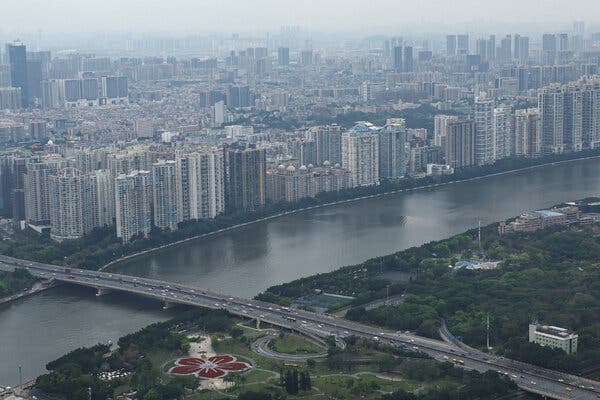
(100, 291)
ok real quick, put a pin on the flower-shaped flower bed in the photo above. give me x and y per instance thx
(214, 367)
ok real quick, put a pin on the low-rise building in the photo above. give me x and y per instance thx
(553, 336)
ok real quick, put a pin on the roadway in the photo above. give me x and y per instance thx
(261, 347)
(546, 382)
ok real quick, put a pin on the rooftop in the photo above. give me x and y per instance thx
(548, 213)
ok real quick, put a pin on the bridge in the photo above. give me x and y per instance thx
(548, 383)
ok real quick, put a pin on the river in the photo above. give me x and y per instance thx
(38, 329)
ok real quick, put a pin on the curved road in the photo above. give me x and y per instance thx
(261, 346)
(528, 377)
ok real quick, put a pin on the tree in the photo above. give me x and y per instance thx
(152, 394)
(304, 383)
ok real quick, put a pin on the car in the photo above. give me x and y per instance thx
(561, 380)
(533, 383)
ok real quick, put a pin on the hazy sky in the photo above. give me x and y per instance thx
(20, 16)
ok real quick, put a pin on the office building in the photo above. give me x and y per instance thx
(554, 337)
(17, 58)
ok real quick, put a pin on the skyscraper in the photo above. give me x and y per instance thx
(133, 197)
(17, 58)
(527, 132)
(462, 44)
(102, 198)
(440, 128)
(521, 49)
(551, 105)
(164, 194)
(37, 188)
(283, 56)
(573, 118)
(360, 154)
(206, 184)
(397, 54)
(504, 145)
(460, 144)
(392, 160)
(408, 59)
(451, 45)
(69, 205)
(328, 144)
(484, 131)
(245, 178)
(549, 49)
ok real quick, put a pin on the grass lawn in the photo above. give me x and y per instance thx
(293, 344)
(259, 376)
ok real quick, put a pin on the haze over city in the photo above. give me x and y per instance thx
(352, 16)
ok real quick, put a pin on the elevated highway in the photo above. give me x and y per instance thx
(538, 380)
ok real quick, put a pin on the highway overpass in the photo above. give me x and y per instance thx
(546, 382)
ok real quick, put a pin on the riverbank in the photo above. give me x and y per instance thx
(248, 261)
(37, 288)
(330, 204)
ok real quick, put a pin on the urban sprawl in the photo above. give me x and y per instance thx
(141, 141)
